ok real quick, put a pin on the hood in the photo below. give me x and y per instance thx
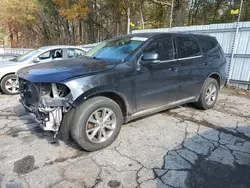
(57, 71)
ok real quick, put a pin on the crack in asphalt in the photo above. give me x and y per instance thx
(208, 124)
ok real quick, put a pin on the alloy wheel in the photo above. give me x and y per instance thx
(12, 85)
(211, 94)
(101, 125)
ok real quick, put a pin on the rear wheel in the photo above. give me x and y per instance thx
(209, 94)
(9, 84)
(97, 123)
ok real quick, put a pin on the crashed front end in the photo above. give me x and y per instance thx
(47, 101)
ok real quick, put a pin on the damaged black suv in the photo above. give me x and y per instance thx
(127, 77)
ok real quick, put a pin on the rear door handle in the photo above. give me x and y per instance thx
(173, 69)
(206, 63)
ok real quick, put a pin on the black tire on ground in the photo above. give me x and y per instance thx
(202, 104)
(82, 114)
(3, 84)
(64, 131)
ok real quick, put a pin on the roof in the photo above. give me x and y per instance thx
(59, 46)
(147, 35)
(151, 34)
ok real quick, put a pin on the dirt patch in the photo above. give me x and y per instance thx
(24, 165)
(236, 91)
(114, 184)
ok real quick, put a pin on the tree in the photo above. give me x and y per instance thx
(77, 22)
(20, 21)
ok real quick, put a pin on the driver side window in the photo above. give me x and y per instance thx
(51, 55)
(163, 46)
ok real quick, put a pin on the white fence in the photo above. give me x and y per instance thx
(235, 46)
(21, 51)
(18, 51)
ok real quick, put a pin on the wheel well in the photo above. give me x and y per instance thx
(216, 77)
(6, 75)
(117, 98)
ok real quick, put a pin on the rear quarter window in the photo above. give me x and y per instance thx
(211, 47)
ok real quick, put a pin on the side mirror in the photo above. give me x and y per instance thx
(36, 60)
(149, 58)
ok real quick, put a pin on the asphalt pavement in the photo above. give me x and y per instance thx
(181, 147)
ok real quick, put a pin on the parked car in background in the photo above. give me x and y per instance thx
(8, 79)
(120, 80)
(7, 56)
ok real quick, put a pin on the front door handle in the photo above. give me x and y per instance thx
(173, 69)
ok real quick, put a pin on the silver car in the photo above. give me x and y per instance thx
(9, 83)
(7, 57)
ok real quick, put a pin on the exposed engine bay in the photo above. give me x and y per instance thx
(47, 101)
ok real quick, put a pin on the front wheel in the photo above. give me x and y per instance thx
(9, 85)
(209, 94)
(97, 123)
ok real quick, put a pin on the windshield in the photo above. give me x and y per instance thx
(116, 49)
(27, 56)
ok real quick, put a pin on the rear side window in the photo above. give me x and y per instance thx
(187, 47)
(58, 53)
(74, 53)
(210, 46)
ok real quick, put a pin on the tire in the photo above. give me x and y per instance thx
(12, 89)
(64, 131)
(88, 112)
(204, 103)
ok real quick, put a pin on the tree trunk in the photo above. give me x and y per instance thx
(181, 8)
(17, 39)
(128, 20)
(68, 39)
(80, 31)
(73, 33)
(85, 32)
(141, 14)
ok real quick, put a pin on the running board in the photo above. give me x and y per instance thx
(159, 109)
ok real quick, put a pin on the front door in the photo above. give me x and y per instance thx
(156, 84)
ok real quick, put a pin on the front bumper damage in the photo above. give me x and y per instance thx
(46, 102)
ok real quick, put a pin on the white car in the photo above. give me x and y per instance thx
(9, 83)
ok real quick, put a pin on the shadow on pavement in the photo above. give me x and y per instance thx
(206, 173)
(212, 159)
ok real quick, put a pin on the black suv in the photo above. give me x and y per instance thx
(122, 79)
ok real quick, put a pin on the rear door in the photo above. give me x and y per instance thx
(192, 64)
(156, 85)
(213, 53)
